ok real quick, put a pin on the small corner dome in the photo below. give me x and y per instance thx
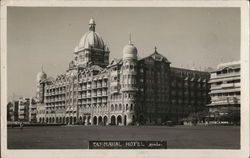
(91, 21)
(41, 76)
(129, 52)
(91, 39)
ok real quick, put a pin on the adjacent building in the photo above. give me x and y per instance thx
(126, 91)
(12, 111)
(225, 93)
(23, 109)
(33, 110)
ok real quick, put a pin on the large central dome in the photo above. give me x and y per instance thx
(91, 39)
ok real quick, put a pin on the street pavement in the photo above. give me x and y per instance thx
(77, 137)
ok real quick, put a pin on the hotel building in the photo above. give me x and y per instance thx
(126, 91)
(225, 93)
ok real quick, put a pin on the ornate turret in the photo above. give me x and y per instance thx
(129, 80)
(130, 51)
(41, 76)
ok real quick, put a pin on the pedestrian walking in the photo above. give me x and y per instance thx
(21, 126)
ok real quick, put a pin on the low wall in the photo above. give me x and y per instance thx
(32, 124)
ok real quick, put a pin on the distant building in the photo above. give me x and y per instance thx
(33, 110)
(23, 109)
(125, 91)
(12, 111)
(225, 93)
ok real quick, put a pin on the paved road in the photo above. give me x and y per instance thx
(77, 137)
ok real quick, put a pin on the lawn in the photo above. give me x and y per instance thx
(77, 137)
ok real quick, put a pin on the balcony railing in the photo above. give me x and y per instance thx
(99, 85)
(104, 84)
(89, 101)
(99, 94)
(94, 86)
(99, 100)
(94, 101)
(88, 86)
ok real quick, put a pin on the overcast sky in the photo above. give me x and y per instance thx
(203, 37)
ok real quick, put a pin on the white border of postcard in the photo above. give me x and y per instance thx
(187, 153)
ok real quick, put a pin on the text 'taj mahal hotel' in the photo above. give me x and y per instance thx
(94, 91)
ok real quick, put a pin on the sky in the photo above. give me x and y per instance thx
(189, 37)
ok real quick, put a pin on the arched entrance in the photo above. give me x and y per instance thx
(88, 120)
(71, 120)
(63, 120)
(125, 120)
(40, 120)
(74, 121)
(47, 120)
(100, 120)
(105, 120)
(50, 120)
(67, 120)
(113, 122)
(84, 120)
(133, 119)
(141, 120)
(53, 119)
(80, 120)
(43, 120)
(57, 120)
(119, 120)
(94, 120)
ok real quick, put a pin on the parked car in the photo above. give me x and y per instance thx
(168, 123)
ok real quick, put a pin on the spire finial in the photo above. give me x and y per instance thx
(130, 42)
(155, 49)
(92, 24)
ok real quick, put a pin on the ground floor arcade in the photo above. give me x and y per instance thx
(119, 119)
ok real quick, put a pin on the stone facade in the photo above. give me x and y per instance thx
(125, 91)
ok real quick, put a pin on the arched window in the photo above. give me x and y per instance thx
(131, 67)
(116, 107)
(126, 107)
(97, 108)
(127, 66)
(120, 107)
(133, 80)
(112, 107)
(131, 107)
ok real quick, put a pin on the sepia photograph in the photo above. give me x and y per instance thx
(125, 78)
